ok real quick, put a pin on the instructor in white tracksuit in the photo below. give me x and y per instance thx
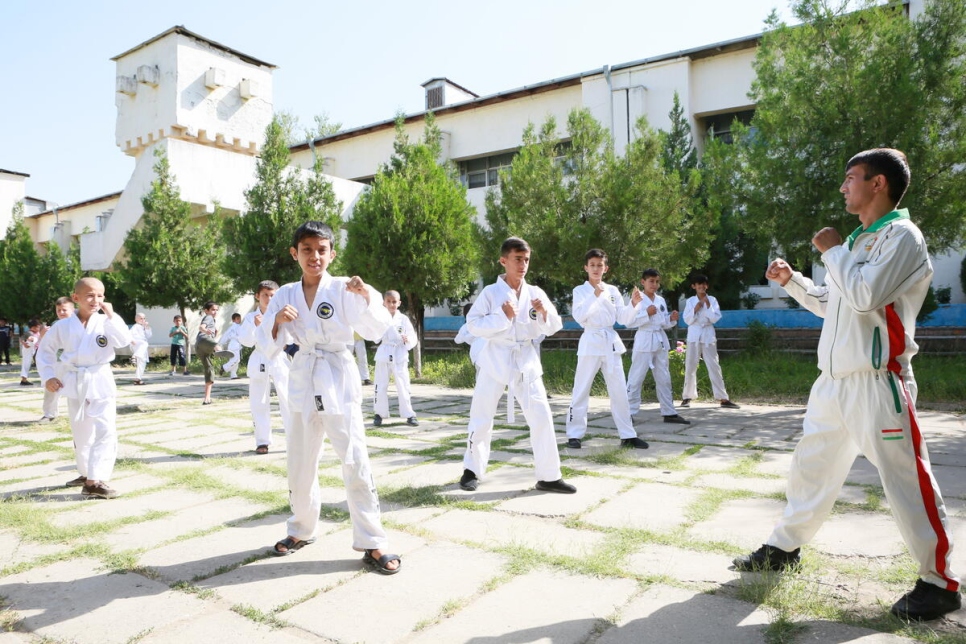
(864, 398)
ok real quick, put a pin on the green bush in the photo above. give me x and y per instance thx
(760, 338)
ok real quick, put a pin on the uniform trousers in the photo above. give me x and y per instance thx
(613, 370)
(400, 373)
(51, 398)
(346, 433)
(709, 353)
(532, 398)
(873, 414)
(359, 347)
(659, 364)
(139, 366)
(95, 436)
(231, 366)
(260, 403)
(26, 358)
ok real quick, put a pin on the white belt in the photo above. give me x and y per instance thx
(329, 385)
(84, 376)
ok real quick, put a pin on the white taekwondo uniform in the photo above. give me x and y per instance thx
(702, 344)
(261, 373)
(325, 399)
(651, 347)
(600, 349)
(231, 340)
(864, 398)
(84, 369)
(392, 356)
(506, 358)
(139, 348)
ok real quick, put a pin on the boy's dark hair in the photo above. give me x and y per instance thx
(514, 244)
(235, 316)
(63, 300)
(466, 309)
(698, 278)
(890, 163)
(313, 229)
(32, 323)
(265, 284)
(209, 304)
(594, 253)
(650, 272)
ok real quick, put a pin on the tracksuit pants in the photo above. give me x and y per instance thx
(872, 413)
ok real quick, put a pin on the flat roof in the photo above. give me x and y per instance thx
(14, 172)
(696, 53)
(180, 29)
(86, 202)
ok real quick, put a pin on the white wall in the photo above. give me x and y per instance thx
(12, 191)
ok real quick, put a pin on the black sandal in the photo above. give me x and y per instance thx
(291, 544)
(381, 564)
(261, 449)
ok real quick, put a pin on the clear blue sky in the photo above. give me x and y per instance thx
(359, 61)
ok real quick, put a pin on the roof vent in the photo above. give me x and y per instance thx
(441, 92)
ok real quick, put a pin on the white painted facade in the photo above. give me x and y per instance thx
(13, 187)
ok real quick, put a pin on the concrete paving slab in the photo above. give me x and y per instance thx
(498, 484)
(569, 611)
(591, 490)
(78, 601)
(247, 479)
(834, 633)
(436, 473)
(865, 534)
(745, 523)
(665, 614)
(202, 556)
(495, 529)
(386, 463)
(14, 549)
(401, 515)
(630, 472)
(215, 624)
(749, 483)
(150, 534)
(429, 580)
(123, 507)
(778, 463)
(716, 459)
(688, 566)
(647, 506)
(863, 473)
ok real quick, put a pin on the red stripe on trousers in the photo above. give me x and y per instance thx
(897, 338)
(928, 496)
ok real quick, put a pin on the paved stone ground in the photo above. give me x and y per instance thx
(640, 554)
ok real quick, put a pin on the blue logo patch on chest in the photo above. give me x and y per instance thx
(325, 310)
(533, 314)
(101, 341)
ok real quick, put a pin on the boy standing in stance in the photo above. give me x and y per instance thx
(700, 314)
(319, 314)
(88, 340)
(505, 319)
(392, 357)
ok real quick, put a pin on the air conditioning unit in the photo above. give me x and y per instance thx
(214, 78)
(149, 75)
(127, 85)
(248, 88)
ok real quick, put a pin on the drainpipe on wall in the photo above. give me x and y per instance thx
(610, 98)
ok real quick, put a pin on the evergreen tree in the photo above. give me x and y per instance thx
(256, 244)
(172, 259)
(412, 231)
(842, 82)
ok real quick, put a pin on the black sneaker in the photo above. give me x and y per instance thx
(685, 403)
(559, 486)
(412, 422)
(80, 481)
(926, 601)
(367, 382)
(768, 558)
(639, 443)
(468, 481)
(377, 421)
(727, 404)
(573, 443)
(677, 419)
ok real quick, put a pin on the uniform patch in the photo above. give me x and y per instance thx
(101, 341)
(318, 404)
(261, 368)
(325, 310)
(662, 308)
(891, 434)
(533, 314)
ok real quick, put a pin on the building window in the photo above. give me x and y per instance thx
(719, 125)
(484, 171)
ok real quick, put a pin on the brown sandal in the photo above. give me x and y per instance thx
(261, 449)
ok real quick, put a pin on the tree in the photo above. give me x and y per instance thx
(567, 198)
(256, 244)
(843, 82)
(413, 230)
(296, 134)
(32, 281)
(171, 258)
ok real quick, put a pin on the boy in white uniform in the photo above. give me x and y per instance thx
(505, 319)
(28, 347)
(864, 398)
(319, 314)
(63, 308)
(701, 312)
(651, 318)
(392, 355)
(88, 339)
(230, 340)
(597, 307)
(263, 371)
(140, 334)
